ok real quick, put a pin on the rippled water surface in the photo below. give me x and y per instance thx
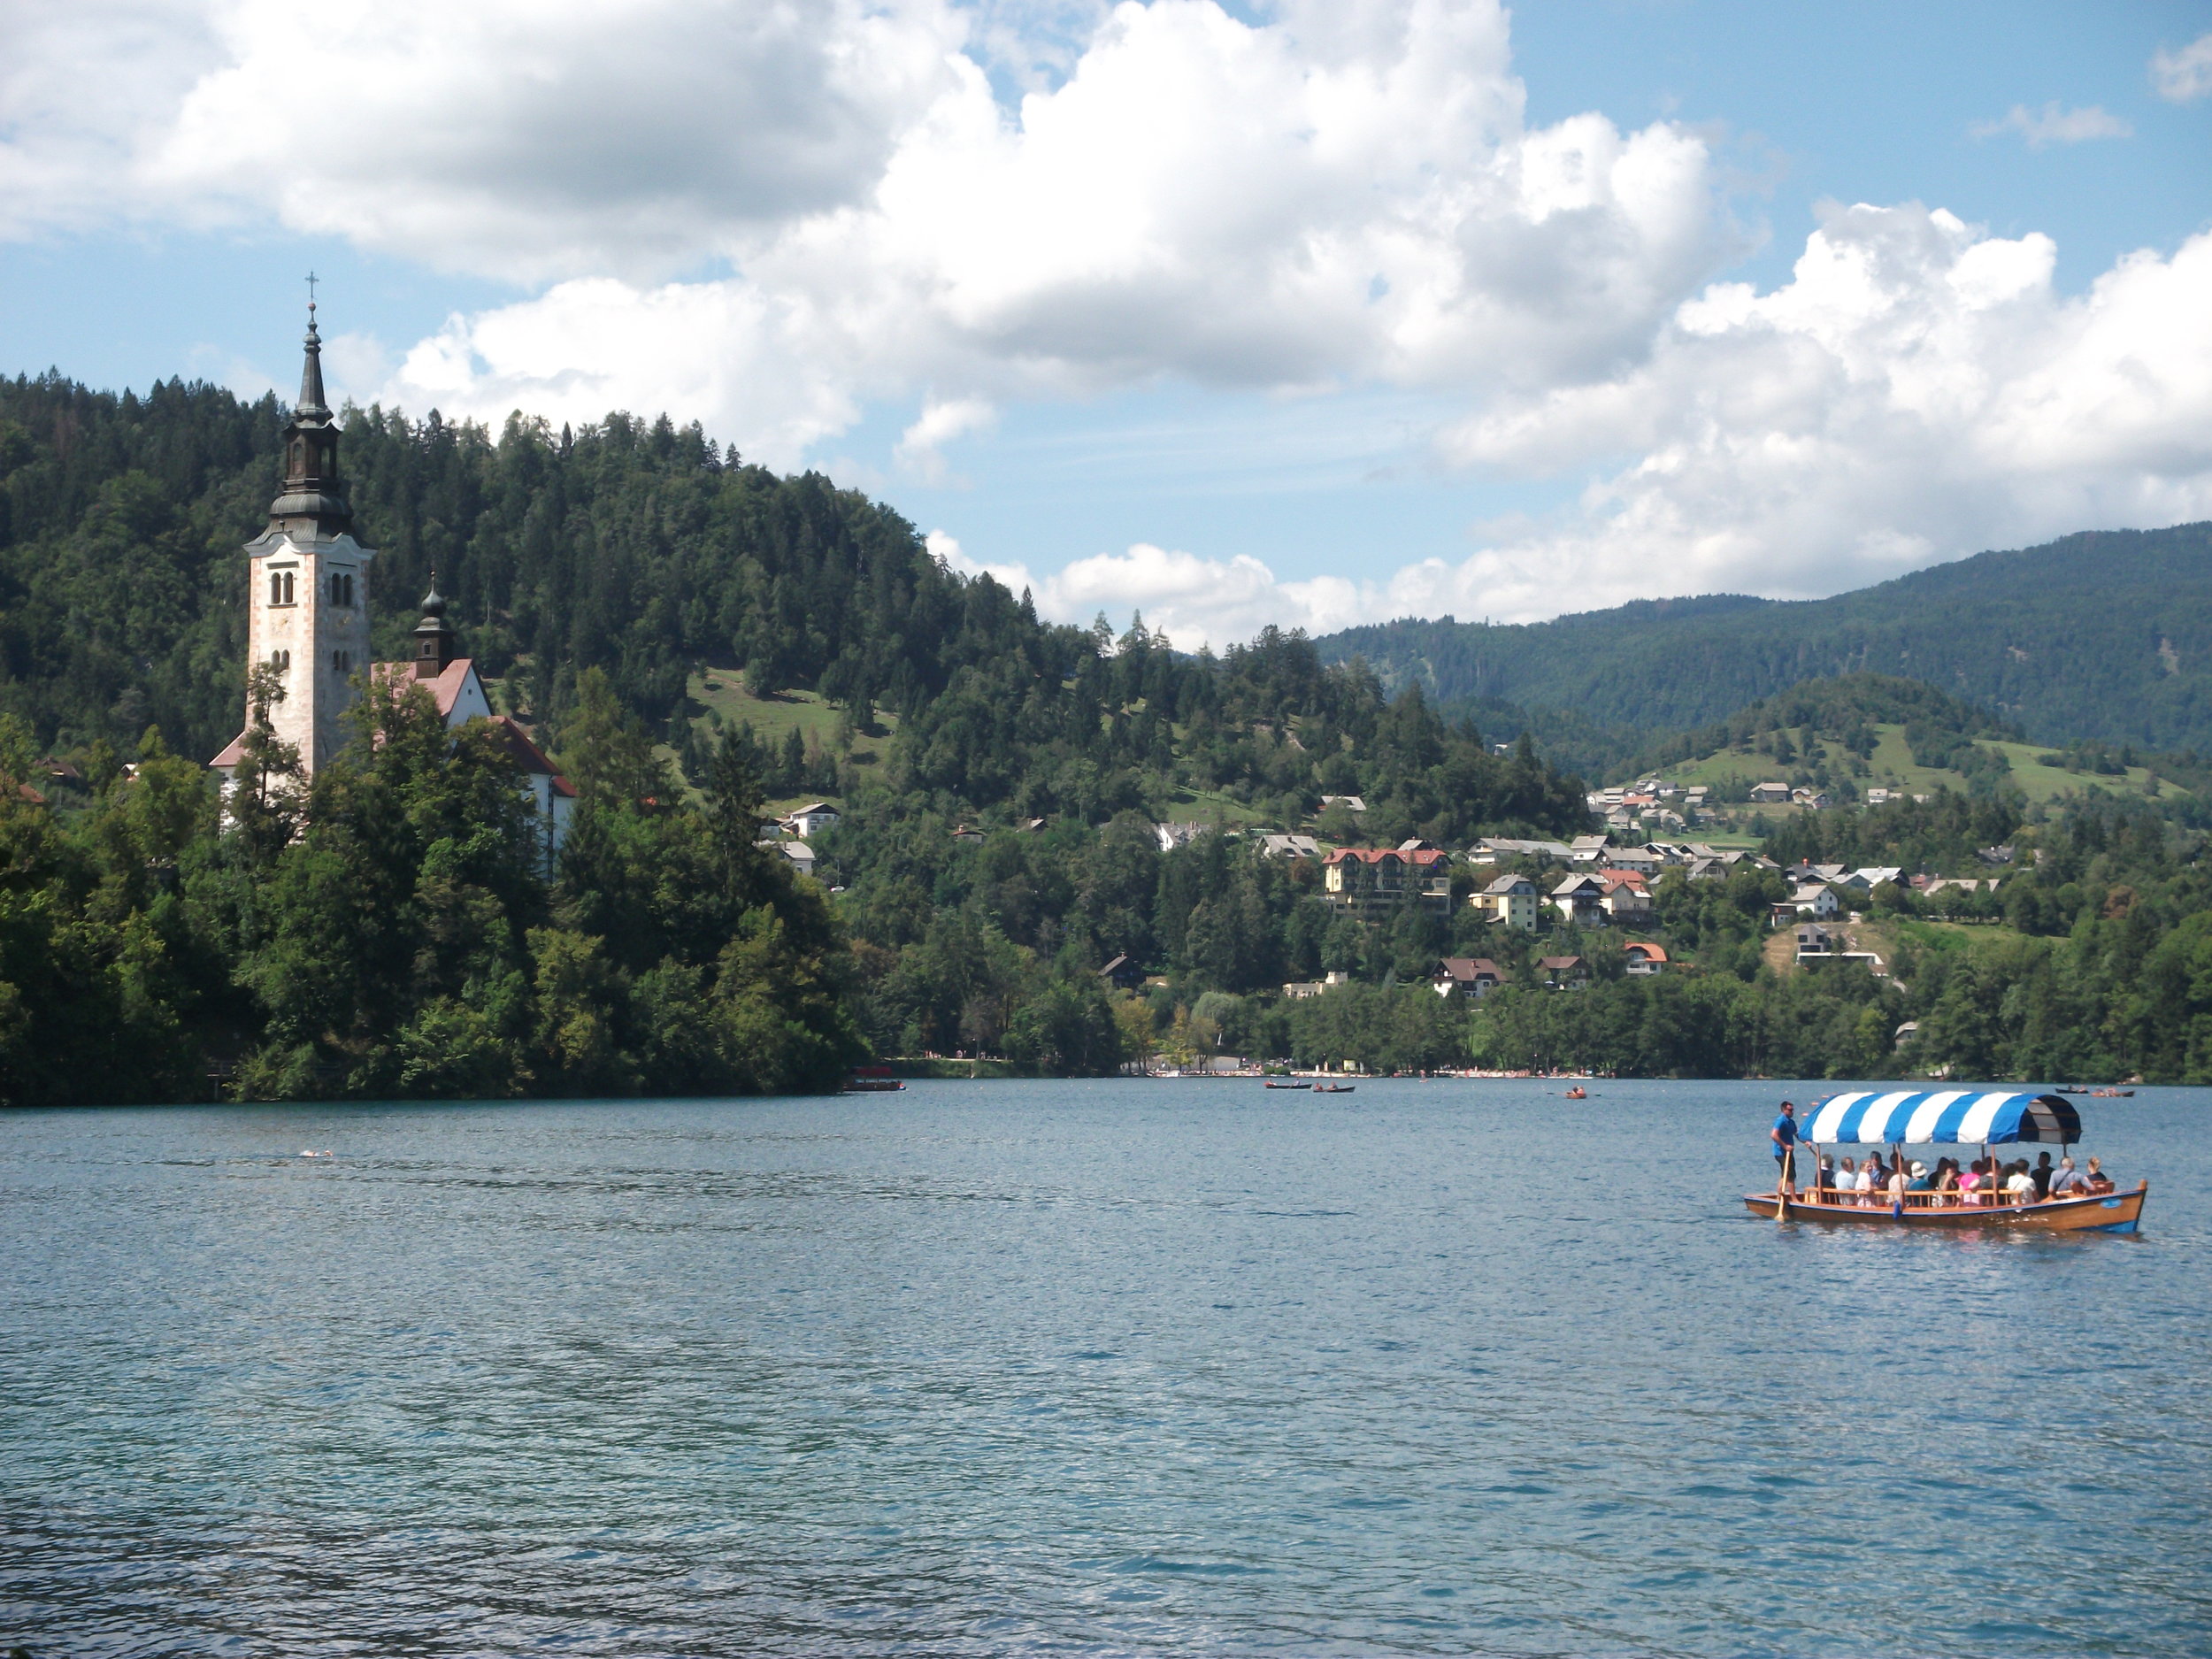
(1128, 1367)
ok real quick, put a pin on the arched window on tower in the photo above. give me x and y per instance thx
(276, 587)
(281, 661)
(288, 589)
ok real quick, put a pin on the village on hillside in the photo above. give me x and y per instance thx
(1594, 883)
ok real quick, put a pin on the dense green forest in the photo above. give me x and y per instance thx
(390, 930)
(2105, 635)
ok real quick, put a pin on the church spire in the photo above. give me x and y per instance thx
(311, 371)
(312, 502)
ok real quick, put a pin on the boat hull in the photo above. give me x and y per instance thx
(2104, 1212)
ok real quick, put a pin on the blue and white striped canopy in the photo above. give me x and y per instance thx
(1961, 1117)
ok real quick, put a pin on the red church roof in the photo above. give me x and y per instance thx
(526, 754)
(446, 689)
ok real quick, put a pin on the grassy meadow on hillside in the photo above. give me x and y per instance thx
(1891, 767)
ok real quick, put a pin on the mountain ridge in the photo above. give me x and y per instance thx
(2006, 628)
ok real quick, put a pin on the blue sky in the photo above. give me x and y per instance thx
(1114, 424)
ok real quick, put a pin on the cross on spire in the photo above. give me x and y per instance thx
(312, 279)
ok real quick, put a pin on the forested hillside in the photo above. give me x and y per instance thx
(644, 551)
(2104, 635)
(362, 937)
(632, 589)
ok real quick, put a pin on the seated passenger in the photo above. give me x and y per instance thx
(1863, 1187)
(2041, 1175)
(1974, 1185)
(1847, 1177)
(2019, 1185)
(2067, 1181)
(2099, 1182)
(1922, 1182)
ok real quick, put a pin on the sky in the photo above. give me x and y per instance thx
(1312, 312)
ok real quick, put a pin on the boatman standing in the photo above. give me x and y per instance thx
(1784, 1134)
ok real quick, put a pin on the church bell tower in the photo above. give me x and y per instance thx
(308, 582)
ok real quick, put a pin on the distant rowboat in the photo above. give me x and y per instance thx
(1949, 1117)
(1273, 1083)
(1334, 1089)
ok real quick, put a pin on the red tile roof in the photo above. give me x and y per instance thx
(1376, 854)
(446, 689)
(526, 754)
(1471, 968)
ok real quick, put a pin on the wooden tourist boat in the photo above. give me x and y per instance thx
(1955, 1117)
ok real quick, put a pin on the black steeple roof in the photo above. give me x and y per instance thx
(312, 502)
(434, 636)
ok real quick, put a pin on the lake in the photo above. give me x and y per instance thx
(1124, 1367)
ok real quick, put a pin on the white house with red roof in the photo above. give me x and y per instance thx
(1627, 895)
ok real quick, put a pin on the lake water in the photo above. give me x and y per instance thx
(1079, 1368)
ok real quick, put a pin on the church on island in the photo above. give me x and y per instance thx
(307, 598)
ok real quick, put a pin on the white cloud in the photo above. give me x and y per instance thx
(1345, 194)
(1918, 391)
(919, 448)
(86, 90)
(1193, 601)
(2054, 125)
(2184, 75)
(531, 139)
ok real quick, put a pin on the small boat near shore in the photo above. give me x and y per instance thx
(1286, 1083)
(872, 1080)
(1334, 1089)
(1947, 1118)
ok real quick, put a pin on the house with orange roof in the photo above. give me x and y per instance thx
(1370, 881)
